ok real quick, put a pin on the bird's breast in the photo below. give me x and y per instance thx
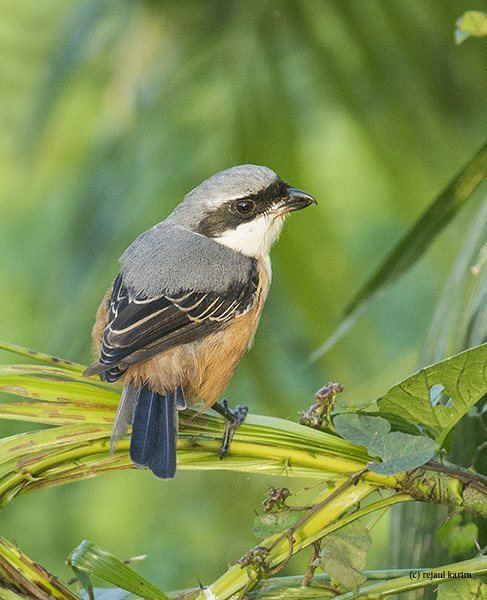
(219, 354)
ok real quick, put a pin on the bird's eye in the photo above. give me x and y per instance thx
(245, 207)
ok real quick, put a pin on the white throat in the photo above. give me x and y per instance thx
(254, 238)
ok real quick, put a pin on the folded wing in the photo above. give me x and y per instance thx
(139, 327)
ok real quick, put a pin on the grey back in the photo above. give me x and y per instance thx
(168, 258)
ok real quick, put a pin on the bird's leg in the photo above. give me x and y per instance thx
(233, 420)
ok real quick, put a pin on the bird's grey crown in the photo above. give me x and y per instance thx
(169, 258)
(238, 182)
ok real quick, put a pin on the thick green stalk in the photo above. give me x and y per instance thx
(264, 445)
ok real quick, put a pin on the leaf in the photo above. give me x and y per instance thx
(403, 451)
(472, 23)
(438, 396)
(413, 245)
(343, 555)
(62, 395)
(429, 225)
(89, 560)
(21, 574)
(58, 455)
(460, 317)
(56, 384)
(462, 589)
(275, 522)
(6, 594)
(459, 539)
(42, 357)
(399, 451)
(60, 413)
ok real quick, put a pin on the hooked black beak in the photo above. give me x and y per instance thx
(297, 199)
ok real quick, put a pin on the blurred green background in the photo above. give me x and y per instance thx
(111, 111)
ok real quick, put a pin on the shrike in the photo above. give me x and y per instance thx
(185, 307)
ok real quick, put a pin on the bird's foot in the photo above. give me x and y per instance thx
(233, 420)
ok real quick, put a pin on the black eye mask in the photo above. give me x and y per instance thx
(229, 217)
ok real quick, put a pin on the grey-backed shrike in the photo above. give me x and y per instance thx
(186, 304)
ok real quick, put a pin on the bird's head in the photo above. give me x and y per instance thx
(242, 208)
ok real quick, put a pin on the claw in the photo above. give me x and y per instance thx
(234, 418)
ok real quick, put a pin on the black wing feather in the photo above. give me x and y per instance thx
(139, 327)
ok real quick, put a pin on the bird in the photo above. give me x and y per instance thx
(185, 307)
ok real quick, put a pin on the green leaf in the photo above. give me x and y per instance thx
(90, 560)
(7, 594)
(413, 245)
(343, 555)
(402, 451)
(458, 538)
(60, 413)
(54, 384)
(472, 23)
(425, 230)
(21, 574)
(463, 589)
(361, 429)
(460, 317)
(438, 396)
(399, 451)
(42, 357)
(85, 581)
(275, 522)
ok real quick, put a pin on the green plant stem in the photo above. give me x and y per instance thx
(475, 566)
(238, 578)
(262, 445)
(62, 454)
(291, 581)
(321, 520)
(367, 510)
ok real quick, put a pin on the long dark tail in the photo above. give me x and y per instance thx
(154, 432)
